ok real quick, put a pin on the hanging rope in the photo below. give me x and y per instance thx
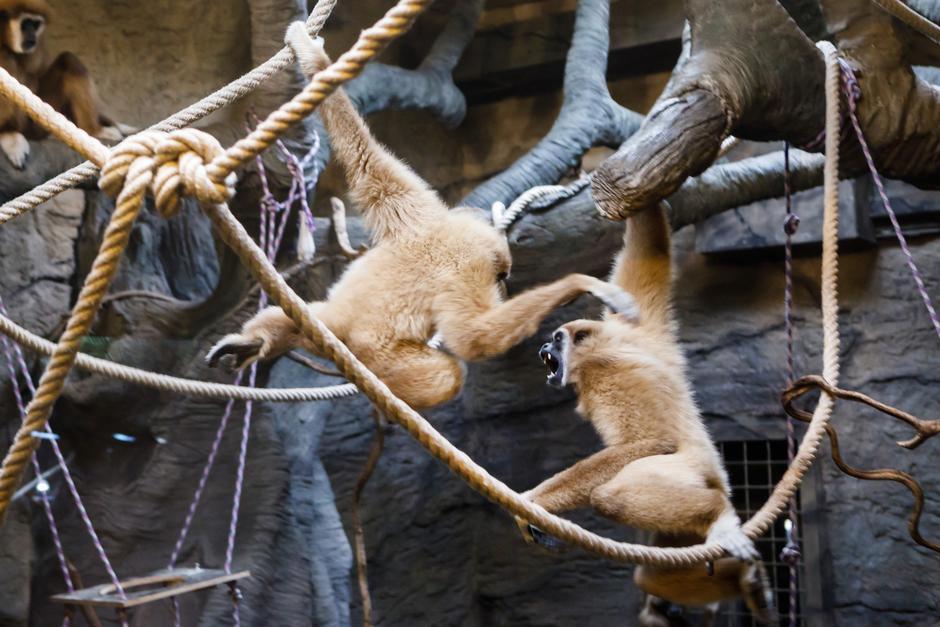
(853, 93)
(790, 555)
(13, 355)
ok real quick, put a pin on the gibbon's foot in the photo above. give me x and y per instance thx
(533, 535)
(757, 593)
(727, 533)
(548, 542)
(234, 352)
(15, 147)
(617, 300)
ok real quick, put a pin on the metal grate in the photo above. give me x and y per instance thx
(754, 467)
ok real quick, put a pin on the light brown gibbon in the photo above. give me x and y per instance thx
(659, 470)
(65, 83)
(432, 271)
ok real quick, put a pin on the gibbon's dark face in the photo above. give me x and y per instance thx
(22, 31)
(552, 355)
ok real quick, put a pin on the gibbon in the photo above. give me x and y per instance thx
(659, 470)
(65, 83)
(433, 271)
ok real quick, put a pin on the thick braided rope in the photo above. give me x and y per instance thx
(176, 385)
(235, 90)
(912, 18)
(79, 324)
(349, 65)
(788, 485)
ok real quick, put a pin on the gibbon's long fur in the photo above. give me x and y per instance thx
(432, 271)
(659, 470)
(65, 83)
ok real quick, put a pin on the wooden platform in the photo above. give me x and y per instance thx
(161, 584)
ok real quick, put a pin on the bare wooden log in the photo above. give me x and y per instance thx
(741, 65)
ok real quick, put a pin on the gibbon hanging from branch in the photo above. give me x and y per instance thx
(659, 470)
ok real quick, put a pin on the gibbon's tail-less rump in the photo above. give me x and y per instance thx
(65, 83)
(659, 470)
(431, 271)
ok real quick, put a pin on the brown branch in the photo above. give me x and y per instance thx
(925, 429)
(362, 560)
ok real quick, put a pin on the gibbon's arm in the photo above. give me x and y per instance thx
(391, 197)
(475, 325)
(643, 268)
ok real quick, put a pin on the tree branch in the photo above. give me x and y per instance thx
(740, 72)
(732, 82)
(588, 115)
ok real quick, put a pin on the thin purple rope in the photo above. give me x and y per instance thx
(853, 93)
(43, 494)
(207, 468)
(271, 233)
(67, 476)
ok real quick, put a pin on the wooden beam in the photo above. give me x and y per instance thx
(161, 584)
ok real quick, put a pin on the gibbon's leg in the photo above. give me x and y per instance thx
(475, 325)
(694, 586)
(67, 86)
(390, 196)
(268, 334)
(418, 374)
(572, 488)
(643, 267)
(664, 493)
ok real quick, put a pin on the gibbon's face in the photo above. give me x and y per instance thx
(569, 343)
(21, 30)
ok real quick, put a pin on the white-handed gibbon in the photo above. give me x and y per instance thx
(65, 83)
(659, 470)
(433, 271)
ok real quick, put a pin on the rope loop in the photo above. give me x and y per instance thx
(177, 161)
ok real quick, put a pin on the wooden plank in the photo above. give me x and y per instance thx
(161, 584)
(504, 15)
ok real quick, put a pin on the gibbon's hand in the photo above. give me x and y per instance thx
(617, 300)
(235, 351)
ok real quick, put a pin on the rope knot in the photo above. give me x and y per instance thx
(171, 165)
